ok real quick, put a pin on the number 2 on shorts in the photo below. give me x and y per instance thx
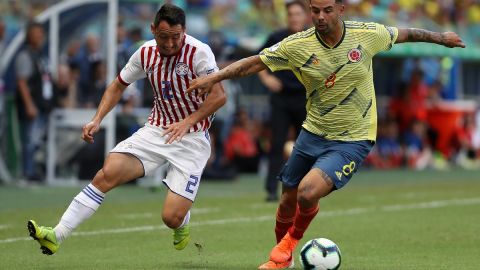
(193, 182)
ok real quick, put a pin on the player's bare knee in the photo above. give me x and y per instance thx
(307, 197)
(172, 220)
(109, 179)
(306, 201)
(100, 183)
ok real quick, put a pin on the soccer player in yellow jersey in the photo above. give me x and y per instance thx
(334, 62)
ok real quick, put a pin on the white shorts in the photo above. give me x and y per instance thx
(186, 158)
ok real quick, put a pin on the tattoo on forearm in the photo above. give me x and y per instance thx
(240, 69)
(421, 35)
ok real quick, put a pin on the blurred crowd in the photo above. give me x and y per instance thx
(420, 127)
(260, 17)
(462, 16)
(445, 13)
(241, 135)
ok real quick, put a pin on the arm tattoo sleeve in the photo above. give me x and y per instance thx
(244, 67)
(421, 35)
(239, 70)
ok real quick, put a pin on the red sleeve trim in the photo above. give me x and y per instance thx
(122, 81)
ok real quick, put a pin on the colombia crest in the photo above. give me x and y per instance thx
(355, 55)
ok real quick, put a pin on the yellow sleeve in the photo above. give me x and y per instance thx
(276, 57)
(385, 37)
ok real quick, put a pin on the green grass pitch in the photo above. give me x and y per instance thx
(381, 220)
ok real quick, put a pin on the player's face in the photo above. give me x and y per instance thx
(326, 15)
(168, 37)
(297, 18)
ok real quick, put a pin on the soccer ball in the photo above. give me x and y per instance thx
(320, 254)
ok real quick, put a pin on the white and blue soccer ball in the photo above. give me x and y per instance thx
(320, 254)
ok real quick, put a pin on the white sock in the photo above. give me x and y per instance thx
(80, 209)
(185, 221)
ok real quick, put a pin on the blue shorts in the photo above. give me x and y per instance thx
(338, 159)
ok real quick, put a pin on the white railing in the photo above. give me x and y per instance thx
(52, 15)
(61, 119)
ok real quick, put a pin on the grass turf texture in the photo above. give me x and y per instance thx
(381, 220)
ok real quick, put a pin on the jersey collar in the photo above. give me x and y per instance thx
(344, 30)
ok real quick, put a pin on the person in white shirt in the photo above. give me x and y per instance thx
(176, 131)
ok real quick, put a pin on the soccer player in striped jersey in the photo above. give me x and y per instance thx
(333, 60)
(176, 131)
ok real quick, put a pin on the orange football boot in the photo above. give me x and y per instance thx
(283, 251)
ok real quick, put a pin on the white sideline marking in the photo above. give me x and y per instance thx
(347, 212)
(3, 226)
(195, 211)
(136, 215)
(199, 211)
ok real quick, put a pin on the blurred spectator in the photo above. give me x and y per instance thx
(218, 167)
(240, 147)
(122, 47)
(92, 95)
(87, 59)
(287, 97)
(14, 18)
(418, 152)
(435, 92)
(467, 147)
(257, 17)
(3, 37)
(65, 88)
(410, 103)
(34, 97)
(135, 39)
(70, 56)
(224, 53)
(127, 122)
(387, 152)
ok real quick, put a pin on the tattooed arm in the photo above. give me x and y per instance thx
(447, 39)
(244, 67)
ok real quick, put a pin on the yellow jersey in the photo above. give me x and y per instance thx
(338, 80)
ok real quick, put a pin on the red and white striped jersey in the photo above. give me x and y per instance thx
(170, 77)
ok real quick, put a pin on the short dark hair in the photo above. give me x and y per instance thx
(300, 3)
(33, 24)
(172, 14)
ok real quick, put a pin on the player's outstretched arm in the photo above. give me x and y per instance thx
(244, 67)
(110, 98)
(447, 39)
